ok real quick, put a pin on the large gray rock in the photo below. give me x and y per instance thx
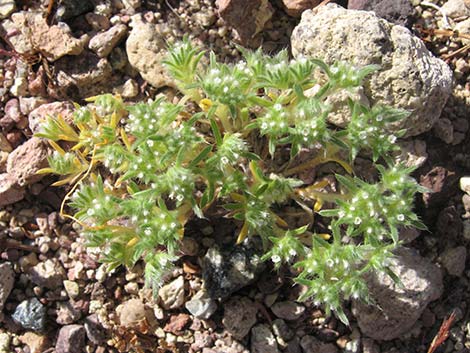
(410, 77)
(146, 50)
(398, 308)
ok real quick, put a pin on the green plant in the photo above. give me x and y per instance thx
(238, 140)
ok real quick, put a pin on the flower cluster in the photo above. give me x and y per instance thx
(239, 141)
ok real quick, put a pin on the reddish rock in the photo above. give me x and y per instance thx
(38, 116)
(295, 8)
(247, 17)
(15, 138)
(71, 339)
(12, 109)
(177, 323)
(25, 161)
(103, 43)
(10, 191)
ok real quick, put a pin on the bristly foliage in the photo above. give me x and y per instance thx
(141, 171)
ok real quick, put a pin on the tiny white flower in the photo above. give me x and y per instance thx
(401, 217)
(275, 258)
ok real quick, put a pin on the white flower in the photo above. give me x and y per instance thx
(401, 217)
(275, 258)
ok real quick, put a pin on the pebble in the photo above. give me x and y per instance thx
(103, 43)
(453, 260)
(281, 330)
(288, 310)
(172, 295)
(177, 323)
(6, 8)
(456, 8)
(465, 184)
(239, 316)
(49, 274)
(201, 305)
(7, 280)
(94, 330)
(67, 314)
(71, 339)
(262, 340)
(131, 313)
(37, 343)
(31, 314)
(5, 341)
(444, 130)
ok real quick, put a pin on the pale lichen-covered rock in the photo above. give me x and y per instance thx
(410, 77)
(146, 50)
(397, 308)
(25, 161)
(456, 8)
(6, 8)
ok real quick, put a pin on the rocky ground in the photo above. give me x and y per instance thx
(57, 297)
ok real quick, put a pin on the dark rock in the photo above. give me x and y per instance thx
(226, 271)
(7, 280)
(72, 8)
(400, 12)
(94, 329)
(31, 314)
(449, 223)
(71, 339)
(239, 316)
(439, 180)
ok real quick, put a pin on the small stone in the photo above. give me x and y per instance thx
(412, 153)
(399, 12)
(70, 8)
(453, 260)
(49, 274)
(146, 49)
(94, 329)
(311, 344)
(5, 340)
(38, 116)
(189, 246)
(281, 330)
(129, 89)
(172, 295)
(6, 8)
(37, 343)
(132, 313)
(177, 323)
(67, 314)
(444, 130)
(456, 8)
(369, 346)
(288, 310)
(25, 161)
(201, 305)
(295, 8)
(71, 339)
(97, 22)
(398, 307)
(72, 289)
(10, 191)
(465, 184)
(103, 43)
(4, 144)
(463, 27)
(239, 316)
(202, 340)
(228, 270)
(7, 280)
(31, 314)
(262, 340)
(246, 17)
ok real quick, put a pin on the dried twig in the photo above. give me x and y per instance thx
(443, 333)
